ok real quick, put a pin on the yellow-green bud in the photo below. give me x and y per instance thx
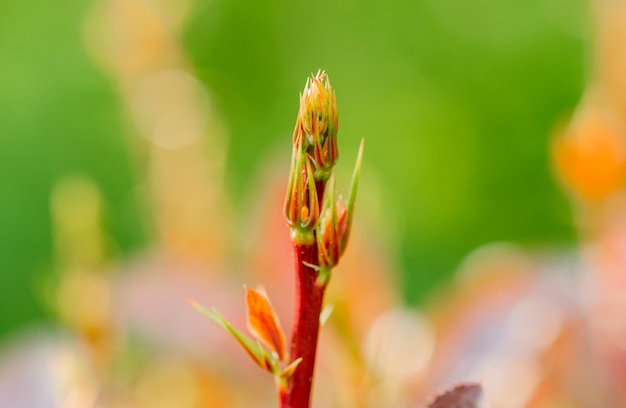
(318, 123)
(301, 203)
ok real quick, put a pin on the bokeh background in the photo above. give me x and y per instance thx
(456, 100)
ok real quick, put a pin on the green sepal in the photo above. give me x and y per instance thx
(311, 221)
(352, 198)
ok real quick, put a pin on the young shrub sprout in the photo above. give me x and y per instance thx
(320, 225)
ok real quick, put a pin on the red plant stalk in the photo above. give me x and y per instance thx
(309, 297)
(320, 226)
(308, 306)
(282, 397)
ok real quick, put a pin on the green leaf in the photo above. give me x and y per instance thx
(291, 368)
(353, 189)
(263, 359)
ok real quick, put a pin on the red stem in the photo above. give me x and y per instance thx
(309, 299)
(282, 397)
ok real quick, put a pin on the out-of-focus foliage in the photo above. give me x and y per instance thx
(58, 116)
(456, 101)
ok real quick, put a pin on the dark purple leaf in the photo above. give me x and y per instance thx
(467, 395)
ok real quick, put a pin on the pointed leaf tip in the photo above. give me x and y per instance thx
(352, 198)
(325, 314)
(253, 349)
(211, 314)
(263, 322)
(291, 368)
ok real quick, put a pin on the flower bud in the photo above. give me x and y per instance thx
(317, 124)
(336, 219)
(301, 202)
(332, 227)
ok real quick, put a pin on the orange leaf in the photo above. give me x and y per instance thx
(263, 322)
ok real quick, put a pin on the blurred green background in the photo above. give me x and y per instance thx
(456, 101)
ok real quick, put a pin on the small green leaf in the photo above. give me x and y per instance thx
(263, 359)
(353, 189)
(212, 315)
(291, 368)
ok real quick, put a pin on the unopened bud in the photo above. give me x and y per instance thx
(332, 226)
(301, 202)
(336, 220)
(317, 124)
